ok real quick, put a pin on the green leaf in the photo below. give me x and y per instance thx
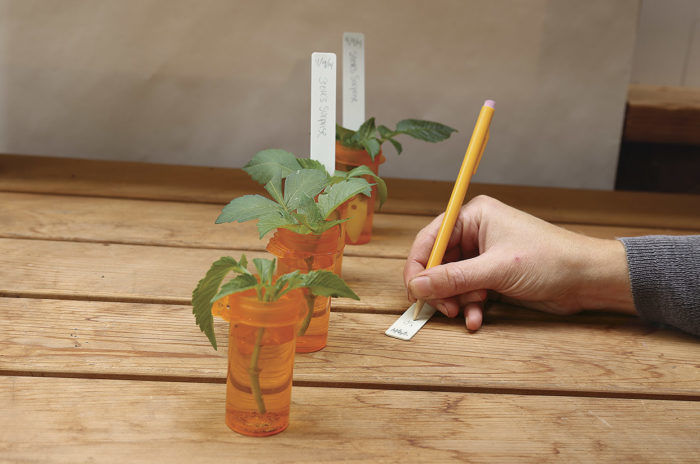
(326, 283)
(286, 283)
(310, 212)
(247, 208)
(325, 225)
(380, 184)
(275, 220)
(205, 290)
(238, 284)
(365, 131)
(372, 146)
(343, 134)
(360, 171)
(305, 182)
(268, 163)
(339, 193)
(274, 188)
(396, 145)
(308, 163)
(265, 268)
(385, 132)
(424, 130)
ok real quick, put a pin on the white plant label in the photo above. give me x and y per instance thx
(353, 80)
(323, 77)
(405, 327)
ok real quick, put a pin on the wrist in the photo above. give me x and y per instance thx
(605, 282)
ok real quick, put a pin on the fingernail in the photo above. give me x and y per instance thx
(420, 287)
(443, 309)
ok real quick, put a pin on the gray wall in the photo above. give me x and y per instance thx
(210, 82)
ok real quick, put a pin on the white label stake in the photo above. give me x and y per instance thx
(405, 327)
(353, 80)
(323, 76)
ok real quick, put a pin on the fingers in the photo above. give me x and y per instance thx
(423, 245)
(450, 307)
(474, 316)
(447, 306)
(452, 279)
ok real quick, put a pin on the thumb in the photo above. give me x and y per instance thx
(447, 280)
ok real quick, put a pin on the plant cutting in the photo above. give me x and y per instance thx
(264, 311)
(268, 163)
(303, 209)
(363, 147)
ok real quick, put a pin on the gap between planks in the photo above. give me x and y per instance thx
(368, 386)
(514, 351)
(188, 225)
(37, 174)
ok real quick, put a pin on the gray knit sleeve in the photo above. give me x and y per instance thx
(665, 276)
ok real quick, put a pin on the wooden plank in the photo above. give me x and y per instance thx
(663, 114)
(20, 173)
(180, 224)
(41, 268)
(575, 206)
(517, 350)
(76, 420)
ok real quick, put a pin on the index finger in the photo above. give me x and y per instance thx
(423, 244)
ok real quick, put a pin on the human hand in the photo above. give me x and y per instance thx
(526, 260)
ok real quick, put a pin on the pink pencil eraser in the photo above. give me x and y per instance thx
(490, 104)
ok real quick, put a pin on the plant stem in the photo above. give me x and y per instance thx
(254, 372)
(310, 300)
(309, 260)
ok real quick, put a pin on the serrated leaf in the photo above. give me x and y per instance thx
(274, 188)
(396, 145)
(268, 163)
(310, 212)
(424, 130)
(286, 283)
(326, 283)
(372, 146)
(205, 290)
(304, 182)
(273, 221)
(247, 208)
(308, 163)
(379, 182)
(339, 193)
(238, 284)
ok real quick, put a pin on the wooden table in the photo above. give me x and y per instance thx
(100, 359)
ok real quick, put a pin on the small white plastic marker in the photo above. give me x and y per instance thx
(353, 80)
(405, 327)
(323, 77)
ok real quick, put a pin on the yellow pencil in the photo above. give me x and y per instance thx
(475, 150)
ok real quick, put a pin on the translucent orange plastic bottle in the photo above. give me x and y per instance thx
(359, 209)
(307, 252)
(261, 361)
